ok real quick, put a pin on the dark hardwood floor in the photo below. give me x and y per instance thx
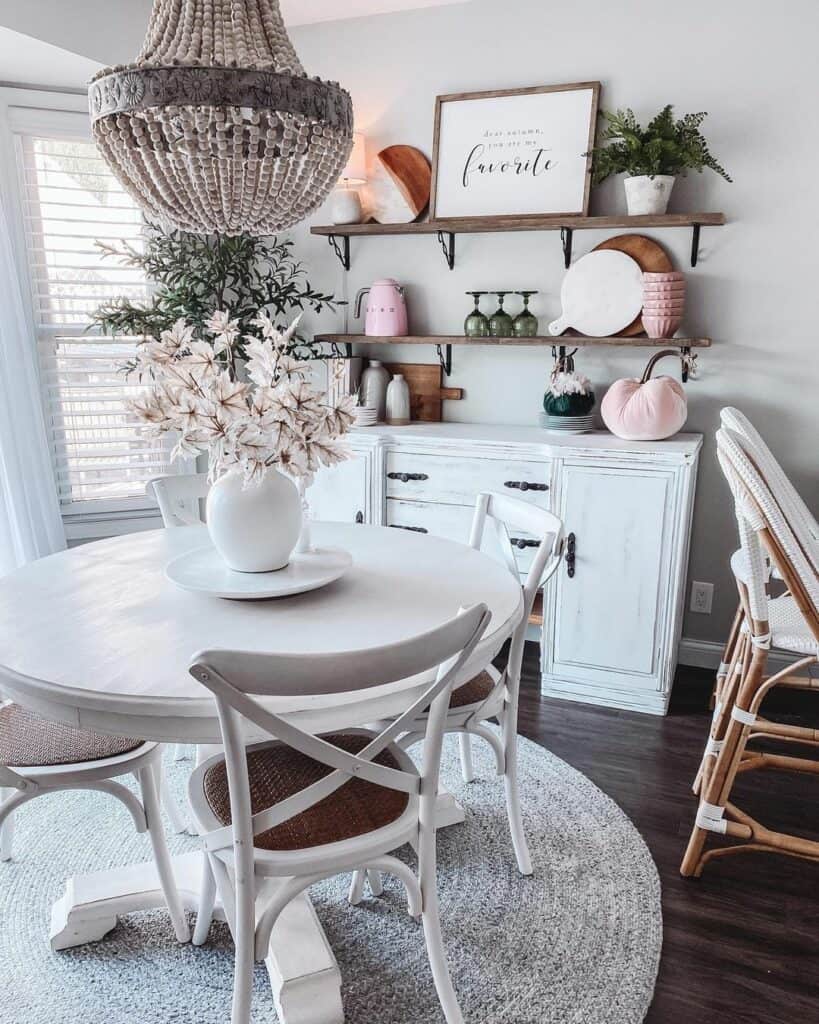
(741, 944)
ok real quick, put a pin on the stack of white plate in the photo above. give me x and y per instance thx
(366, 416)
(567, 424)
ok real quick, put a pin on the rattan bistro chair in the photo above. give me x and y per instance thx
(38, 757)
(737, 651)
(770, 526)
(305, 807)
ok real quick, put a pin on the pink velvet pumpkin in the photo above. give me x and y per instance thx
(648, 409)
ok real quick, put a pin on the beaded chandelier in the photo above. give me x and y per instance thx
(215, 128)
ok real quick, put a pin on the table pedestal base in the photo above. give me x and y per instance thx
(304, 975)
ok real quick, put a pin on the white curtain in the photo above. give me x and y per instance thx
(30, 523)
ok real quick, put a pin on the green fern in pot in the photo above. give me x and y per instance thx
(651, 157)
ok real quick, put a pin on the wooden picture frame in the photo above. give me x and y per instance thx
(516, 123)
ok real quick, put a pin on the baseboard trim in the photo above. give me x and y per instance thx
(707, 654)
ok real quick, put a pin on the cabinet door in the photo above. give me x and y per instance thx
(607, 618)
(339, 493)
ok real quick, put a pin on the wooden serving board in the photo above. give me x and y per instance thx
(651, 258)
(426, 393)
(399, 187)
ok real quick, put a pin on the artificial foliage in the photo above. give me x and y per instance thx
(569, 393)
(196, 276)
(666, 146)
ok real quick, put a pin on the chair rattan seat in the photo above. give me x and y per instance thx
(789, 630)
(277, 772)
(474, 692)
(28, 741)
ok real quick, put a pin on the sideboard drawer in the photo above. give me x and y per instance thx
(454, 522)
(455, 480)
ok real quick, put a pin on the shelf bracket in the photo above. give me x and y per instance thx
(342, 250)
(566, 235)
(448, 247)
(445, 360)
(695, 244)
(688, 361)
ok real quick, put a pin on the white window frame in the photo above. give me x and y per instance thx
(25, 111)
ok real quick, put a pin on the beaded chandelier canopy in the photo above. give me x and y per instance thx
(216, 128)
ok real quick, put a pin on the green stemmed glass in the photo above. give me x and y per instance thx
(476, 324)
(525, 323)
(500, 323)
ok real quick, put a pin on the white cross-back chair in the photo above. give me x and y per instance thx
(305, 807)
(179, 497)
(736, 652)
(494, 694)
(772, 527)
(39, 757)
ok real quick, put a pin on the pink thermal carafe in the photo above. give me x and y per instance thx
(386, 315)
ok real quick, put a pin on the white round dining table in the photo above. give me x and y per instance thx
(98, 637)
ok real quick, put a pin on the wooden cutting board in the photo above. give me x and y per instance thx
(650, 256)
(426, 393)
(399, 189)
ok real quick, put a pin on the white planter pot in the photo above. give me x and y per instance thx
(648, 195)
(254, 528)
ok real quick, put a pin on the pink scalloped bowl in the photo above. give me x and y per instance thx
(664, 289)
(671, 275)
(663, 307)
(661, 326)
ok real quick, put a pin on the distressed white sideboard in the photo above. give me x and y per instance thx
(611, 631)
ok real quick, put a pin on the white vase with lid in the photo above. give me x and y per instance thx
(374, 381)
(398, 401)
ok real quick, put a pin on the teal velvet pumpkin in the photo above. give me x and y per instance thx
(568, 405)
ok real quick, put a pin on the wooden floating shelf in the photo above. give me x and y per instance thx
(490, 225)
(339, 235)
(445, 342)
(567, 340)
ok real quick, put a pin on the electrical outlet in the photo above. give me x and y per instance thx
(702, 597)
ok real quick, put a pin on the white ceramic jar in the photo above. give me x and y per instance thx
(374, 381)
(398, 401)
(255, 527)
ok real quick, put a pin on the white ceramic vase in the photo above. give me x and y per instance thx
(645, 195)
(254, 528)
(345, 206)
(374, 381)
(398, 401)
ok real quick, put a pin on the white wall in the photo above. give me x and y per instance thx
(752, 65)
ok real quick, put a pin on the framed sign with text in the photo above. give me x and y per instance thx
(514, 153)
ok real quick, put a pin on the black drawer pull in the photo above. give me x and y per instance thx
(524, 485)
(519, 542)
(571, 542)
(406, 477)
(412, 529)
(359, 518)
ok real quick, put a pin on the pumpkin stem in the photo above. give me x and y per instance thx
(654, 360)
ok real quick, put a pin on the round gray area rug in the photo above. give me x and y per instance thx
(577, 943)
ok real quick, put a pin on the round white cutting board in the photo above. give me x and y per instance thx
(601, 294)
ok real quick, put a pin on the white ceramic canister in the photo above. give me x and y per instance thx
(374, 381)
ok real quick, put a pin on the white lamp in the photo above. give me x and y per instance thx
(346, 204)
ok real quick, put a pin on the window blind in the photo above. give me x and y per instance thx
(70, 201)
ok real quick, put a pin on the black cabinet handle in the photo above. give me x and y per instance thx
(571, 543)
(524, 485)
(519, 542)
(359, 518)
(406, 477)
(412, 529)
